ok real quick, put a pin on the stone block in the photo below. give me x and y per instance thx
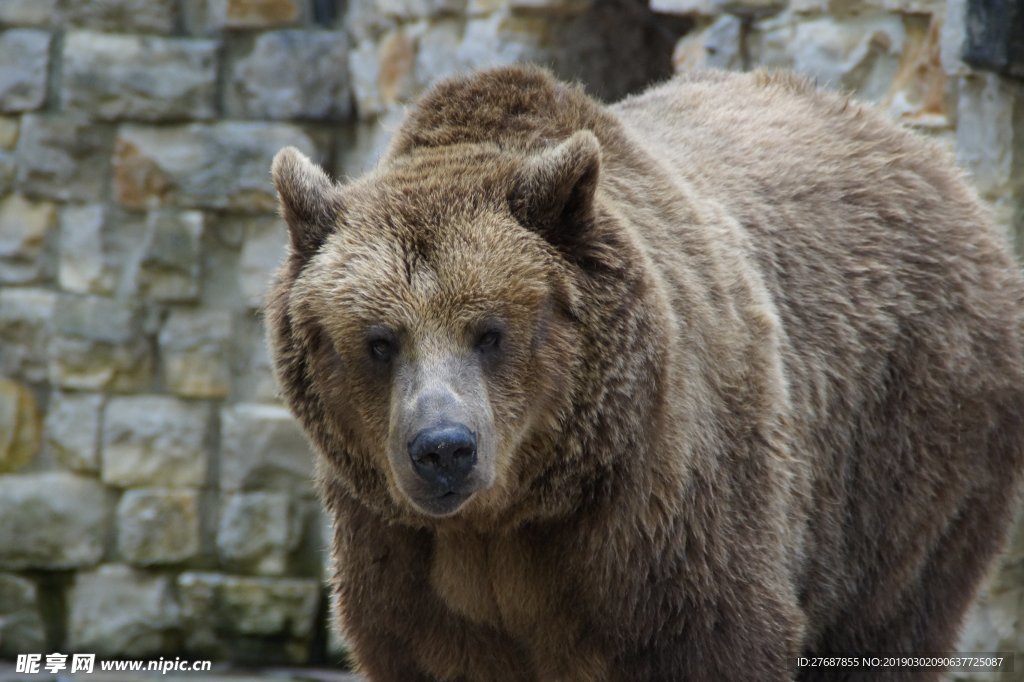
(326, 13)
(222, 613)
(99, 343)
(861, 54)
(8, 172)
(257, 531)
(292, 74)
(264, 248)
(92, 255)
(435, 57)
(501, 39)
(199, 595)
(919, 93)
(63, 157)
(746, 8)
(216, 166)
(404, 60)
(683, 6)
(20, 426)
(27, 12)
(254, 379)
(272, 606)
(768, 40)
(9, 129)
(363, 144)
(195, 346)
(121, 16)
(73, 430)
(995, 41)
(52, 520)
(154, 441)
(480, 7)
(954, 37)
(717, 46)
(809, 7)
(26, 230)
(990, 133)
(921, 7)
(263, 449)
(21, 624)
(233, 14)
(364, 70)
(9, 126)
(169, 267)
(118, 611)
(415, 9)
(220, 281)
(117, 77)
(24, 61)
(26, 323)
(754, 8)
(85, 263)
(97, 318)
(83, 364)
(365, 21)
(227, 230)
(396, 67)
(557, 7)
(157, 526)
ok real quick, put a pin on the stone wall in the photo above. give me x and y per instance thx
(154, 493)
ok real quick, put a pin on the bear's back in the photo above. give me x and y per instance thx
(865, 235)
(901, 311)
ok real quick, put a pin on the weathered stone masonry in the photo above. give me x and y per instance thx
(155, 496)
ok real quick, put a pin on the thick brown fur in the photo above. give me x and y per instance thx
(760, 391)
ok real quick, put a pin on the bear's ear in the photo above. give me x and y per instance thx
(309, 201)
(553, 193)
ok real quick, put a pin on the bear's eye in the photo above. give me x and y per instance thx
(488, 340)
(381, 349)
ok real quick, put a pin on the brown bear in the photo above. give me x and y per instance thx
(682, 388)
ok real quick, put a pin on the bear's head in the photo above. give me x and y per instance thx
(425, 325)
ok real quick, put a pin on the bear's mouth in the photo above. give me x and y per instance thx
(442, 505)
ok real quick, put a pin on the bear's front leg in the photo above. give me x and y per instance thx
(752, 634)
(398, 627)
(760, 642)
(376, 589)
(708, 613)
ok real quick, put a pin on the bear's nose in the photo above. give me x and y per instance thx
(444, 455)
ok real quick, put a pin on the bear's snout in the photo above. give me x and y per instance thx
(441, 442)
(443, 456)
